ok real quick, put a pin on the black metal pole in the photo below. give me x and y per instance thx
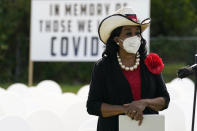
(195, 89)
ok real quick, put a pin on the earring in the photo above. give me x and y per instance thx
(117, 43)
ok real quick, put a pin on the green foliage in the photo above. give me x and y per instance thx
(14, 39)
(173, 18)
(176, 51)
(68, 72)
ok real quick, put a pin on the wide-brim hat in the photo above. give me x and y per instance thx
(122, 17)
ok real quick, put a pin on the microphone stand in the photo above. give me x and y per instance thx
(195, 91)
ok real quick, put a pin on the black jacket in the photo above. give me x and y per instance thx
(109, 85)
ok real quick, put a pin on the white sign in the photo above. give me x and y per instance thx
(149, 123)
(67, 30)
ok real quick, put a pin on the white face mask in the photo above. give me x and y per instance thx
(132, 44)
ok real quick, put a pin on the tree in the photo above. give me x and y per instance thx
(173, 18)
(14, 37)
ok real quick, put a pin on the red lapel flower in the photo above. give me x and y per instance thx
(154, 63)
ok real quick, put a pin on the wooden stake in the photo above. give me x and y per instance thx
(30, 77)
(31, 63)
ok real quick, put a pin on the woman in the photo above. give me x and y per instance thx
(126, 80)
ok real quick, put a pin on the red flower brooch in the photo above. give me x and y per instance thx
(154, 63)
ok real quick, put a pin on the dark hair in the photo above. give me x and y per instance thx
(112, 48)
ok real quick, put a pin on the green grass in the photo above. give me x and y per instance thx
(169, 73)
(5, 85)
(70, 88)
(65, 87)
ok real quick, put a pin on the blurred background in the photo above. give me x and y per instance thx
(173, 35)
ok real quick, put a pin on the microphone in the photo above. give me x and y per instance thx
(186, 71)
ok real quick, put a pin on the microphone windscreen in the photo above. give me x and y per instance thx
(184, 72)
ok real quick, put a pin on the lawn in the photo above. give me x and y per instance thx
(70, 88)
(169, 73)
(65, 87)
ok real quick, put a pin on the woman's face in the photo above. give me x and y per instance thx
(127, 31)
